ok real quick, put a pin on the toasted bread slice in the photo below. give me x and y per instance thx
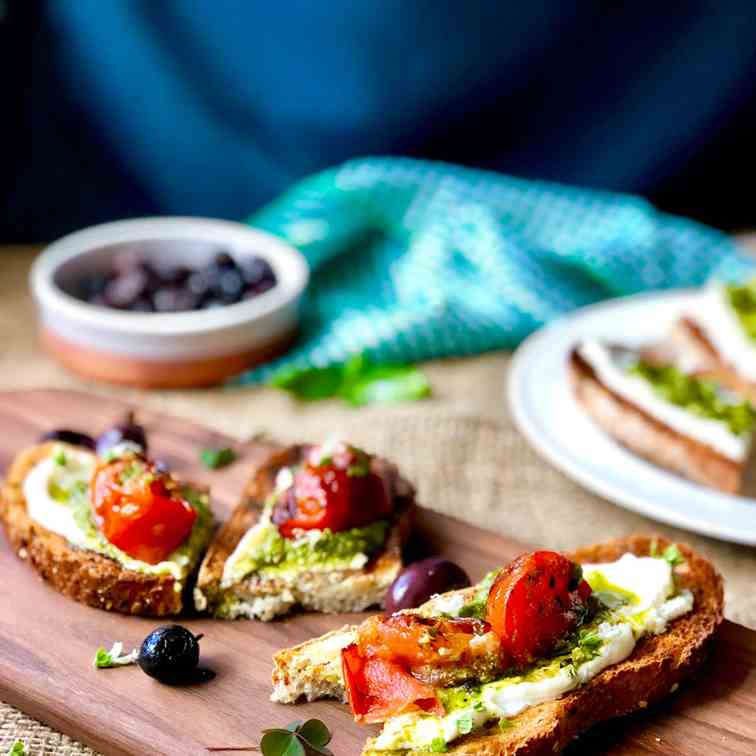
(657, 666)
(650, 438)
(262, 597)
(83, 575)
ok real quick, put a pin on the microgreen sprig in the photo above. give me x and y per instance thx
(214, 459)
(115, 657)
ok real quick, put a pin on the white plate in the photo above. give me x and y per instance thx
(546, 412)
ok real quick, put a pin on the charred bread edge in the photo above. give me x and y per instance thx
(80, 574)
(657, 666)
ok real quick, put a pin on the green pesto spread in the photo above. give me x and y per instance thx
(580, 647)
(701, 397)
(742, 298)
(69, 485)
(266, 551)
(476, 607)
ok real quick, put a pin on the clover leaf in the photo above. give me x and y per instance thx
(296, 739)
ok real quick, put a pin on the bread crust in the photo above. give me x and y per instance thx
(656, 667)
(334, 591)
(648, 437)
(85, 576)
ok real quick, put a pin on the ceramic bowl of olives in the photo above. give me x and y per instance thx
(167, 302)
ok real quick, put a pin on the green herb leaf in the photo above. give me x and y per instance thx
(590, 641)
(383, 384)
(505, 724)
(114, 658)
(477, 606)
(217, 458)
(438, 745)
(310, 384)
(59, 457)
(360, 466)
(315, 733)
(17, 749)
(465, 723)
(359, 381)
(298, 739)
(672, 555)
(281, 743)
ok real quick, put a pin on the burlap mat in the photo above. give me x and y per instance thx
(460, 448)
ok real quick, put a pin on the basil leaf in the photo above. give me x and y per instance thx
(217, 458)
(315, 733)
(310, 384)
(17, 749)
(359, 381)
(383, 384)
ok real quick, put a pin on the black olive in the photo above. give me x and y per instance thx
(170, 654)
(67, 436)
(128, 430)
(417, 582)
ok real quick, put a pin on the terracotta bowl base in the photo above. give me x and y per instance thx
(141, 373)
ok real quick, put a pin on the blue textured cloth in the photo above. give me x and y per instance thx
(413, 259)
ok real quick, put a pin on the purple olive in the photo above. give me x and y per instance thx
(417, 582)
(67, 436)
(127, 430)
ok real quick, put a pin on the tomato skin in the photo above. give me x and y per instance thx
(144, 516)
(378, 688)
(414, 641)
(534, 602)
(330, 495)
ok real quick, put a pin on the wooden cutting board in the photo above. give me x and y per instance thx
(47, 642)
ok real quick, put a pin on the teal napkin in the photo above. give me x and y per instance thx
(413, 259)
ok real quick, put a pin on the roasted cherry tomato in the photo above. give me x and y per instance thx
(379, 688)
(415, 641)
(336, 491)
(139, 509)
(534, 602)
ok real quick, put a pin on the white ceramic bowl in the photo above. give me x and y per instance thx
(195, 348)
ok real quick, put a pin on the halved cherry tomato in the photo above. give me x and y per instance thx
(415, 641)
(534, 602)
(378, 688)
(339, 493)
(140, 510)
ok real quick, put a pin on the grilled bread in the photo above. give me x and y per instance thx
(656, 667)
(82, 574)
(265, 597)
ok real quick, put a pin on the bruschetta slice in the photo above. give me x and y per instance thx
(618, 627)
(318, 527)
(685, 422)
(115, 533)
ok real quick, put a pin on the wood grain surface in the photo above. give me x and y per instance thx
(47, 642)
